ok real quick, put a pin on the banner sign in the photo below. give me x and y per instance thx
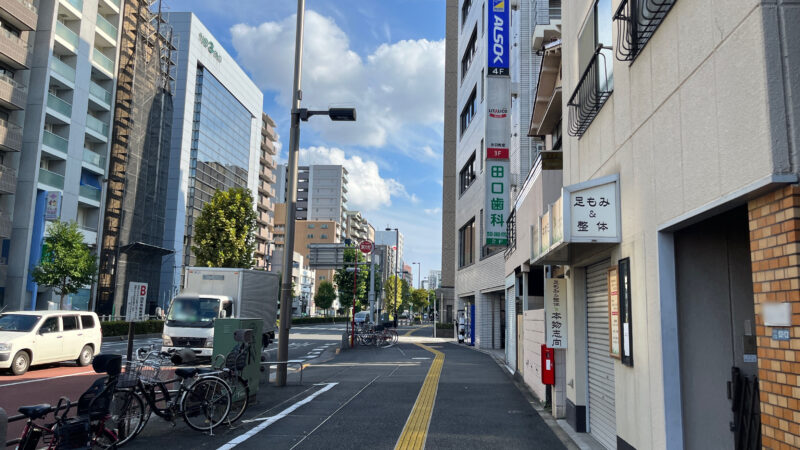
(614, 328)
(496, 206)
(498, 135)
(498, 46)
(137, 302)
(52, 205)
(555, 312)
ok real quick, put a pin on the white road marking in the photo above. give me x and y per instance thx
(267, 421)
(44, 379)
(420, 358)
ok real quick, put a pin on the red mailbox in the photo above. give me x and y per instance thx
(548, 365)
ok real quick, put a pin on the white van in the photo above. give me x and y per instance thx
(38, 337)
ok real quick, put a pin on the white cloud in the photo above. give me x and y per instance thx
(433, 211)
(367, 190)
(399, 85)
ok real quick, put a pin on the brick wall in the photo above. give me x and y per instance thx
(775, 255)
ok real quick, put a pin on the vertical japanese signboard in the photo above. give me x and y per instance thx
(613, 313)
(498, 135)
(555, 312)
(498, 45)
(52, 205)
(137, 302)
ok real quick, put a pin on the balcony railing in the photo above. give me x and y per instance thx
(60, 67)
(55, 142)
(77, 4)
(99, 92)
(114, 2)
(68, 35)
(10, 136)
(28, 5)
(12, 91)
(14, 48)
(94, 158)
(59, 105)
(5, 228)
(106, 27)
(8, 180)
(90, 192)
(594, 88)
(97, 125)
(51, 179)
(103, 61)
(637, 20)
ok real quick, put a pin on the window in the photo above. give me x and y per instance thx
(637, 20)
(322, 277)
(324, 226)
(482, 155)
(468, 113)
(466, 244)
(310, 235)
(467, 175)
(50, 325)
(323, 236)
(310, 225)
(483, 84)
(469, 53)
(69, 323)
(465, 10)
(87, 322)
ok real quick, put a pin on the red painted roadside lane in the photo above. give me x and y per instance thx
(42, 385)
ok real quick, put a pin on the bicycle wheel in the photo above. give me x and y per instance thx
(128, 415)
(206, 404)
(394, 337)
(240, 397)
(104, 438)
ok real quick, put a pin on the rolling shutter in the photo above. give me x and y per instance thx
(602, 415)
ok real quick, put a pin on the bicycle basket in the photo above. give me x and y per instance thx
(148, 371)
(73, 433)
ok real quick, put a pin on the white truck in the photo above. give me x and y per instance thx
(210, 293)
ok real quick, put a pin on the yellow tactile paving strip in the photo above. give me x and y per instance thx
(416, 430)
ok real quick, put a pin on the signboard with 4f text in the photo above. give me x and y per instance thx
(555, 312)
(498, 45)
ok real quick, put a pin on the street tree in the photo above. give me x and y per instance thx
(325, 296)
(419, 299)
(67, 264)
(225, 231)
(344, 280)
(393, 290)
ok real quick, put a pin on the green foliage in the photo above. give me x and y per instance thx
(225, 231)
(312, 320)
(344, 280)
(325, 295)
(67, 264)
(419, 299)
(394, 290)
(120, 327)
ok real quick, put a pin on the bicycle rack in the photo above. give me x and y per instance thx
(294, 362)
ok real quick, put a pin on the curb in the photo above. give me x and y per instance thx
(548, 418)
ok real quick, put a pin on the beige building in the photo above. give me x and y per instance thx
(672, 249)
(266, 193)
(358, 229)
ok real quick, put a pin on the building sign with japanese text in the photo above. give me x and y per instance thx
(593, 211)
(137, 302)
(496, 202)
(555, 312)
(498, 136)
(498, 36)
(52, 205)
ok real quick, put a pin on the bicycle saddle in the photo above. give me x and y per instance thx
(36, 411)
(186, 372)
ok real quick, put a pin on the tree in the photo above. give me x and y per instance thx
(225, 231)
(325, 296)
(419, 298)
(67, 264)
(344, 280)
(394, 290)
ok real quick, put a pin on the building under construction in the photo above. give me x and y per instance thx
(135, 210)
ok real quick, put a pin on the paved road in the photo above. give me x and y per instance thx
(439, 394)
(45, 384)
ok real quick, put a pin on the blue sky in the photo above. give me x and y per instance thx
(386, 58)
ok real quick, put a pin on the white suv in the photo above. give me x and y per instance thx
(39, 337)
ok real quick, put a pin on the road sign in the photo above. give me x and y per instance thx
(365, 247)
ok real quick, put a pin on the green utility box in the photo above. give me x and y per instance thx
(224, 343)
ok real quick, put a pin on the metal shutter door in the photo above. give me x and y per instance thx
(602, 415)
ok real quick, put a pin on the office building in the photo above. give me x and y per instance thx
(266, 194)
(135, 203)
(321, 192)
(66, 132)
(393, 240)
(434, 279)
(216, 137)
(408, 275)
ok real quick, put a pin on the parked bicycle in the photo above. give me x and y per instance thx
(378, 335)
(92, 427)
(231, 369)
(203, 401)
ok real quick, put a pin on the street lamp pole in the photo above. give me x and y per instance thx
(298, 114)
(396, 277)
(419, 280)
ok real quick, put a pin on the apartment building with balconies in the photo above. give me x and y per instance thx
(66, 134)
(357, 228)
(321, 192)
(17, 21)
(265, 206)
